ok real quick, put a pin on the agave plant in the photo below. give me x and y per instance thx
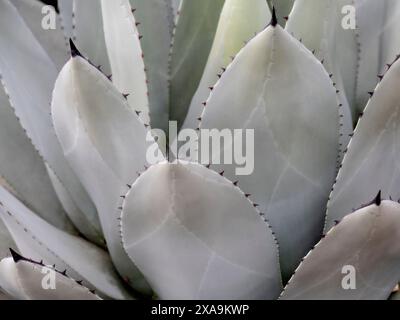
(85, 215)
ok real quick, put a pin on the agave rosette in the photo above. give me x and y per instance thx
(84, 210)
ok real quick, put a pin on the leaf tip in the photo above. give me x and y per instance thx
(74, 50)
(378, 198)
(274, 20)
(16, 256)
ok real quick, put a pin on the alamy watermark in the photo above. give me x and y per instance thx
(349, 21)
(49, 279)
(349, 279)
(205, 146)
(49, 20)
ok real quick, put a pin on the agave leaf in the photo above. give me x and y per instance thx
(283, 8)
(125, 54)
(370, 45)
(371, 162)
(346, 56)
(359, 244)
(239, 22)
(24, 279)
(319, 26)
(276, 87)
(39, 240)
(69, 205)
(193, 39)
(6, 241)
(52, 40)
(209, 244)
(105, 143)
(22, 60)
(155, 28)
(88, 33)
(389, 36)
(23, 169)
(66, 12)
(379, 43)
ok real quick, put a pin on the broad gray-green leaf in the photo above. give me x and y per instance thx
(390, 39)
(372, 161)
(106, 144)
(379, 43)
(277, 88)
(319, 26)
(23, 279)
(39, 240)
(40, 23)
(88, 33)
(193, 38)
(239, 22)
(23, 169)
(345, 53)
(283, 8)
(371, 17)
(361, 253)
(154, 21)
(22, 61)
(66, 13)
(201, 239)
(125, 54)
(69, 206)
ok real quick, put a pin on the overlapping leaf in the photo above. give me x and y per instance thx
(379, 43)
(46, 27)
(39, 240)
(23, 169)
(372, 160)
(278, 89)
(106, 144)
(319, 26)
(193, 38)
(239, 22)
(24, 279)
(22, 61)
(201, 239)
(154, 18)
(88, 32)
(66, 8)
(358, 259)
(125, 54)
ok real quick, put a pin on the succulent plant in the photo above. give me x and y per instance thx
(84, 214)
